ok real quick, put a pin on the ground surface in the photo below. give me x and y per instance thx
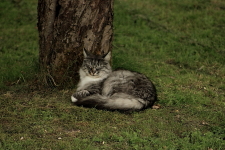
(179, 45)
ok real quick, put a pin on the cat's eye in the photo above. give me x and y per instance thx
(98, 68)
(88, 66)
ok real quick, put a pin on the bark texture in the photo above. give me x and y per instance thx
(65, 28)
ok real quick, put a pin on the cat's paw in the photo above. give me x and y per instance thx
(73, 99)
(80, 94)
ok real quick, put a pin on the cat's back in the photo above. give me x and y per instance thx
(131, 83)
(123, 74)
(125, 78)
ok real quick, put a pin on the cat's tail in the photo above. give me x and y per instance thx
(118, 101)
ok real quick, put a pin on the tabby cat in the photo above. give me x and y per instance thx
(102, 88)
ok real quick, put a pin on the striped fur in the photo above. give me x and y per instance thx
(101, 88)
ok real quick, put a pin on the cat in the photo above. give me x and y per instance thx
(102, 88)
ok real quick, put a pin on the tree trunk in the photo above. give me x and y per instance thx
(65, 28)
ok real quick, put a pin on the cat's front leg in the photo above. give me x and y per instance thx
(107, 89)
(108, 86)
(79, 94)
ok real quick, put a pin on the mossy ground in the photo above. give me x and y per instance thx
(179, 45)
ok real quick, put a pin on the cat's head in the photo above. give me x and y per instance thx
(96, 66)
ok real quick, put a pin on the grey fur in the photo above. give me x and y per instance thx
(101, 88)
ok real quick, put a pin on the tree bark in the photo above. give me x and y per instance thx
(65, 28)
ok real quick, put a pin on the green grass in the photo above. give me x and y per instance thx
(179, 45)
(18, 41)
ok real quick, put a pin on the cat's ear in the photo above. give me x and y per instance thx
(85, 52)
(107, 57)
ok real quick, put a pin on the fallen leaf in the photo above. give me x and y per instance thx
(155, 106)
(8, 94)
(177, 111)
(204, 123)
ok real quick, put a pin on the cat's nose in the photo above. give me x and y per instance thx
(93, 72)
